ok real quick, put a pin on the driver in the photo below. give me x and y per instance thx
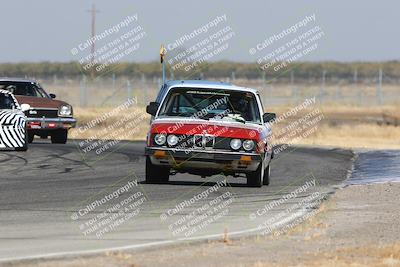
(241, 106)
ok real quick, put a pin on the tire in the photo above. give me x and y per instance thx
(255, 179)
(156, 174)
(267, 175)
(30, 137)
(24, 148)
(59, 136)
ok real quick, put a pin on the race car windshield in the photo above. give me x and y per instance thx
(6, 102)
(211, 104)
(23, 89)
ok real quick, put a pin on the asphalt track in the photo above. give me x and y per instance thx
(43, 190)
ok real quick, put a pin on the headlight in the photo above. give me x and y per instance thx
(160, 139)
(248, 145)
(65, 110)
(236, 144)
(172, 140)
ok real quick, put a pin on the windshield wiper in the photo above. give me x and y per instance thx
(208, 116)
(183, 114)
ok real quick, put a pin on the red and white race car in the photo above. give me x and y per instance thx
(208, 128)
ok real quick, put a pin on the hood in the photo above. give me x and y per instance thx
(39, 102)
(212, 127)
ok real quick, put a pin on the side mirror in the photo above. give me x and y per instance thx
(152, 108)
(269, 117)
(52, 96)
(25, 107)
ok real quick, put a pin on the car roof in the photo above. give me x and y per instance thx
(7, 79)
(202, 84)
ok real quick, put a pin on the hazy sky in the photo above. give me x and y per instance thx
(48, 29)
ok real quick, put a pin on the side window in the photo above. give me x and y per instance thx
(24, 89)
(21, 89)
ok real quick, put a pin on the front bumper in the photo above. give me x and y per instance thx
(189, 159)
(50, 123)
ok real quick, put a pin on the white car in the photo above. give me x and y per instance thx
(13, 133)
(207, 128)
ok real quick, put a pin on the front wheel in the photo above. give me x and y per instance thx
(267, 175)
(59, 136)
(255, 179)
(156, 174)
(23, 148)
(30, 137)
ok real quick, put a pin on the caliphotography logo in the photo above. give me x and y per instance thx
(209, 133)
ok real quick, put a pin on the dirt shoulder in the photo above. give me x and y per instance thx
(358, 226)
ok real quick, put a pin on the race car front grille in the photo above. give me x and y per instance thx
(203, 141)
(40, 113)
(199, 141)
(222, 143)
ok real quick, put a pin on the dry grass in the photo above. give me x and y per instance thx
(342, 126)
(350, 111)
(102, 130)
(352, 127)
(356, 136)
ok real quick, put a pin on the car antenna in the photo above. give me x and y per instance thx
(163, 53)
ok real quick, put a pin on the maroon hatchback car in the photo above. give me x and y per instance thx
(47, 116)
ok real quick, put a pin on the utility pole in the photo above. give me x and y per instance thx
(93, 12)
